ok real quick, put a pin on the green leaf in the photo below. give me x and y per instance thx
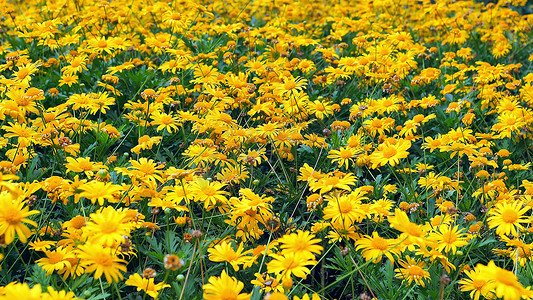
(38, 276)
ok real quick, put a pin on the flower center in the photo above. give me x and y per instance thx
(102, 44)
(86, 166)
(415, 271)
(376, 123)
(449, 238)
(55, 257)
(345, 154)
(389, 152)
(23, 101)
(176, 16)
(418, 118)
(509, 216)
(22, 73)
(510, 121)
(478, 284)
(147, 169)
(288, 263)
(387, 103)
(108, 227)
(289, 85)
(332, 181)
(380, 244)
(167, 120)
(209, 191)
(345, 207)
(104, 260)
(12, 216)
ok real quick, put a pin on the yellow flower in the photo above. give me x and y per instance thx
(146, 142)
(474, 284)
(83, 164)
(224, 252)
(374, 247)
(345, 207)
(68, 80)
(301, 242)
(77, 64)
(248, 211)
(333, 181)
(98, 191)
(253, 157)
(58, 295)
(290, 263)
(100, 44)
(268, 130)
(209, 192)
(17, 290)
(503, 283)
(39, 245)
(107, 227)
(390, 152)
(506, 217)
(412, 271)
(146, 170)
(277, 295)
(100, 102)
(224, 287)
(429, 74)
(343, 157)
(432, 144)
(173, 65)
(342, 230)
(400, 221)
(289, 85)
(80, 101)
(146, 284)
(101, 261)
(57, 260)
(267, 283)
(449, 238)
(24, 134)
(165, 121)
(509, 123)
(501, 49)
(25, 71)
(388, 104)
(13, 215)
(232, 174)
(460, 149)
(200, 155)
(25, 101)
(320, 108)
(378, 125)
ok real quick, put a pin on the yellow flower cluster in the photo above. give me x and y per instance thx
(276, 149)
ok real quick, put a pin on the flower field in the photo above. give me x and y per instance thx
(267, 149)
